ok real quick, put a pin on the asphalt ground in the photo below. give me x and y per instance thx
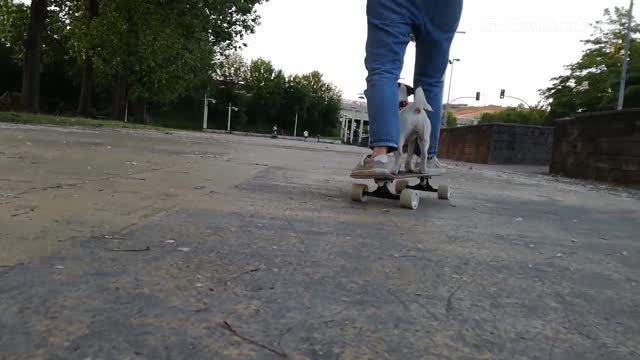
(122, 244)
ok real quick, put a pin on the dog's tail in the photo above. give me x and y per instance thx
(420, 100)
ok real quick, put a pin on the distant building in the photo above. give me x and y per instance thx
(471, 115)
(354, 118)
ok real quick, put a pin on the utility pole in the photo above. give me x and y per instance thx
(206, 112)
(295, 127)
(229, 118)
(205, 117)
(446, 114)
(625, 60)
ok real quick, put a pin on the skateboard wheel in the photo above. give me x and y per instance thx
(409, 199)
(444, 192)
(401, 185)
(357, 192)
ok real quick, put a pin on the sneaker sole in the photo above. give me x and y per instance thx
(371, 173)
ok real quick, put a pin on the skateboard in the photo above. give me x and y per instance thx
(409, 195)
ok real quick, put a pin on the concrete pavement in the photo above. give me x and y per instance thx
(148, 245)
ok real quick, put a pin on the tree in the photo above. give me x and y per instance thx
(452, 120)
(592, 83)
(33, 56)
(266, 96)
(297, 100)
(267, 86)
(167, 54)
(323, 108)
(53, 73)
(14, 20)
(88, 14)
(160, 55)
(228, 87)
(231, 68)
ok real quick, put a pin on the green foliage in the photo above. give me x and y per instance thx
(321, 106)
(165, 47)
(534, 116)
(170, 54)
(452, 120)
(267, 86)
(266, 97)
(14, 19)
(592, 83)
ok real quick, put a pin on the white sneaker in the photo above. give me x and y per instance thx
(370, 167)
(434, 165)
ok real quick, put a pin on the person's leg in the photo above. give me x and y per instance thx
(436, 29)
(389, 25)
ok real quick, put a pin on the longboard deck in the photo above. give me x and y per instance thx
(402, 175)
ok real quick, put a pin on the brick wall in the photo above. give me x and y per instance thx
(497, 144)
(600, 146)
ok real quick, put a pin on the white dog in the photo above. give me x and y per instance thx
(404, 91)
(415, 127)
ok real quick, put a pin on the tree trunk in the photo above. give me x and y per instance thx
(33, 56)
(86, 92)
(119, 100)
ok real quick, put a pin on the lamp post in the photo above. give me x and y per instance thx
(625, 60)
(295, 126)
(206, 111)
(446, 114)
(229, 118)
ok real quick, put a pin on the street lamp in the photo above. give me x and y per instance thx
(229, 118)
(446, 114)
(206, 110)
(625, 60)
(295, 126)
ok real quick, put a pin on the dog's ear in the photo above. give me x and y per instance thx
(410, 90)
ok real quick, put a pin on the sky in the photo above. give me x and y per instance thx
(516, 45)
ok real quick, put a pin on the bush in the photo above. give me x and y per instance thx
(452, 121)
(533, 116)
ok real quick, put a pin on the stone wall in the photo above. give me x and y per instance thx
(467, 143)
(599, 146)
(497, 144)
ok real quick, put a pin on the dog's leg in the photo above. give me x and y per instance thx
(424, 145)
(410, 152)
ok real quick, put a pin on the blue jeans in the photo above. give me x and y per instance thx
(390, 22)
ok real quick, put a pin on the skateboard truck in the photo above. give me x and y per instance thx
(423, 185)
(407, 194)
(383, 191)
